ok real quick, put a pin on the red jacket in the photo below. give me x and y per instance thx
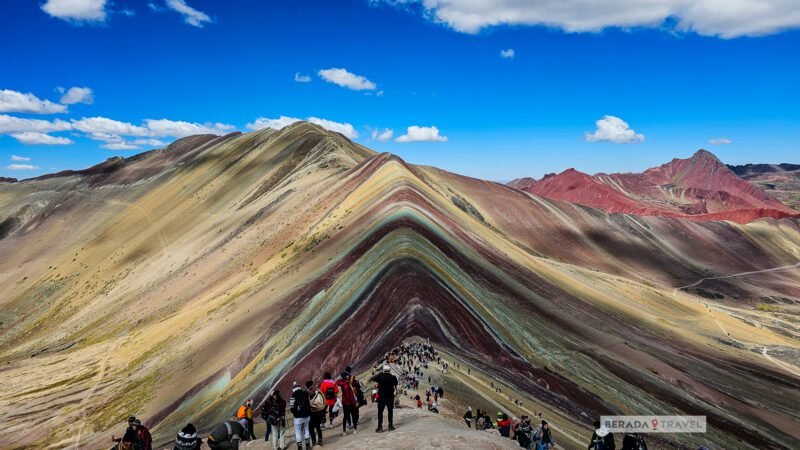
(326, 384)
(348, 396)
(143, 434)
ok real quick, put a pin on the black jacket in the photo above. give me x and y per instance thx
(220, 434)
(608, 442)
(273, 410)
(633, 442)
(299, 403)
(386, 385)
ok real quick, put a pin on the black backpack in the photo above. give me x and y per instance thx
(330, 393)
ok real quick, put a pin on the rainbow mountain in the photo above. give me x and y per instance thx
(175, 283)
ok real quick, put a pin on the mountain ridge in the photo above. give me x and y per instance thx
(697, 188)
(176, 295)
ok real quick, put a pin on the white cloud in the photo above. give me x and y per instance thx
(21, 167)
(120, 146)
(339, 127)
(13, 101)
(300, 78)
(421, 134)
(190, 15)
(11, 124)
(720, 141)
(275, 124)
(101, 126)
(613, 129)
(723, 18)
(77, 95)
(382, 136)
(177, 128)
(508, 53)
(77, 10)
(19, 158)
(283, 121)
(347, 79)
(36, 138)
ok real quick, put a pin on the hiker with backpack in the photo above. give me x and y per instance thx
(387, 383)
(245, 414)
(274, 414)
(317, 417)
(602, 438)
(633, 441)
(349, 404)
(331, 392)
(524, 433)
(187, 439)
(226, 436)
(300, 405)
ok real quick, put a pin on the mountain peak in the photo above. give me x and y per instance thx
(704, 154)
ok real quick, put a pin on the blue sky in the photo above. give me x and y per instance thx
(676, 78)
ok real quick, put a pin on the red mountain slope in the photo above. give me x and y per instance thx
(698, 188)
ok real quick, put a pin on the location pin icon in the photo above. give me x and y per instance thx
(655, 424)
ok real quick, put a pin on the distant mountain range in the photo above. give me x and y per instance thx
(781, 181)
(696, 188)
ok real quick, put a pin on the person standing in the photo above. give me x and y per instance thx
(317, 413)
(331, 392)
(468, 417)
(301, 410)
(246, 413)
(275, 411)
(602, 438)
(349, 404)
(387, 383)
(544, 437)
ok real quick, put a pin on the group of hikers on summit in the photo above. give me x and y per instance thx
(312, 406)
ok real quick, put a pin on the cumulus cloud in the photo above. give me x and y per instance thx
(177, 128)
(421, 134)
(103, 126)
(75, 95)
(382, 136)
(344, 78)
(508, 53)
(11, 124)
(300, 78)
(36, 138)
(13, 101)
(76, 10)
(720, 141)
(283, 121)
(21, 167)
(190, 15)
(723, 18)
(613, 129)
(19, 158)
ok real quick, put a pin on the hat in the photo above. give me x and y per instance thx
(249, 402)
(469, 408)
(544, 422)
(386, 368)
(131, 419)
(309, 383)
(602, 431)
(345, 374)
